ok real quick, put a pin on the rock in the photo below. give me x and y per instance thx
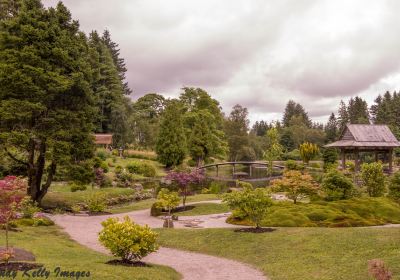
(138, 187)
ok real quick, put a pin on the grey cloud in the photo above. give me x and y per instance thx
(256, 53)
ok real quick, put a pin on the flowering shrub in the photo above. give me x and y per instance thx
(28, 208)
(184, 179)
(127, 240)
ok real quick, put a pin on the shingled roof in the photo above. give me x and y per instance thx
(366, 136)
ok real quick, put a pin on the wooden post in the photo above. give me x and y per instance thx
(376, 156)
(233, 171)
(390, 160)
(356, 160)
(250, 170)
(343, 159)
(217, 169)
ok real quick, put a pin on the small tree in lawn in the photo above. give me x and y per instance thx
(12, 192)
(127, 240)
(373, 178)
(308, 151)
(167, 200)
(184, 179)
(296, 185)
(251, 203)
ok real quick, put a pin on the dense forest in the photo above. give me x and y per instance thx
(59, 85)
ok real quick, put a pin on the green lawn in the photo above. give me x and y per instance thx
(146, 204)
(204, 209)
(60, 195)
(54, 249)
(297, 253)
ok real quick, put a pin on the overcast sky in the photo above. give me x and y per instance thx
(256, 53)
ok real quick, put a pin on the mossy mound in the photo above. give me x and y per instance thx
(344, 213)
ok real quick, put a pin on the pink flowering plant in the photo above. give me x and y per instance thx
(184, 179)
(12, 192)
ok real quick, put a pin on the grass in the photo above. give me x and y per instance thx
(204, 209)
(297, 253)
(343, 213)
(60, 195)
(54, 249)
(146, 204)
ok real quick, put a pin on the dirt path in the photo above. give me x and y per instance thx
(192, 266)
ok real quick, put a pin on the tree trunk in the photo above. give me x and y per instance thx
(50, 174)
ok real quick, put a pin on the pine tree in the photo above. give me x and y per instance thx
(118, 61)
(46, 104)
(294, 109)
(357, 111)
(343, 119)
(331, 128)
(171, 141)
(109, 92)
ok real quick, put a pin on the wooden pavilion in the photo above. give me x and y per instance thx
(357, 138)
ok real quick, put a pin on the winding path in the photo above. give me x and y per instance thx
(192, 266)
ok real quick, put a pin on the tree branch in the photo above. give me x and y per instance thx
(15, 158)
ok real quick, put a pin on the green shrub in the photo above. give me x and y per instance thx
(315, 165)
(82, 173)
(104, 166)
(394, 186)
(291, 165)
(77, 187)
(373, 178)
(96, 203)
(118, 169)
(249, 202)
(308, 151)
(292, 155)
(147, 170)
(141, 168)
(127, 240)
(155, 210)
(337, 186)
(28, 208)
(102, 154)
(330, 157)
(34, 222)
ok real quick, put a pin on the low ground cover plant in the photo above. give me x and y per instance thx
(342, 213)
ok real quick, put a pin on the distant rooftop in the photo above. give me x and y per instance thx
(103, 139)
(366, 136)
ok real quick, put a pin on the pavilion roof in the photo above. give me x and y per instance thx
(366, 136)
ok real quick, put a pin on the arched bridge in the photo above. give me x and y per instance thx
(246, 176)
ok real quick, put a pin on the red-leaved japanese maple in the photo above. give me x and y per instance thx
(184, 179)
(12, 191)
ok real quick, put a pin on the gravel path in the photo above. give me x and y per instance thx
(192, 266)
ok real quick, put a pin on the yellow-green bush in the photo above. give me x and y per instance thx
(128, 240)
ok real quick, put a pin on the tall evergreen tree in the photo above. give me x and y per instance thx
(45, 97)
(357, 111)
(109, 92)
(236, 130)
(331, 128)
(294, 109)
(171, 141)
(343, 118)
(119, 62)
